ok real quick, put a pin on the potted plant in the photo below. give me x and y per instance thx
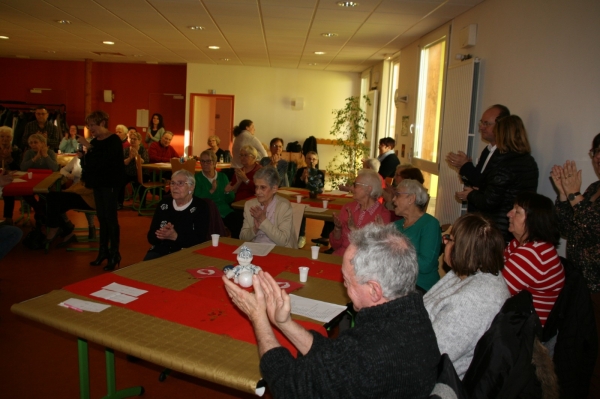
(315, 182)
(350, 137)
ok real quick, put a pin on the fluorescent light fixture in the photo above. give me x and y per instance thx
(224, 59)
(63, 21)
(38, 90)
(196, 27)
(329, 34)
(319, 52)
(4, 37)
(347, 4)
(214, 47)
(108, 42)
(312, 63)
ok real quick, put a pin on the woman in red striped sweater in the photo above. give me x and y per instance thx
(530, 260)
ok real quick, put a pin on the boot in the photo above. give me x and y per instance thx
(102, 254)
(92, 232)
(114, 258)
(114, 261)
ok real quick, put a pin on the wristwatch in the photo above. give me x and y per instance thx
(571, 197)
(247, 181)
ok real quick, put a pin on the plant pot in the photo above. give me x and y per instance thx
(313, 194)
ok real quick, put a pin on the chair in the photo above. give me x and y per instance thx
(572, 322)
(156, 188)
(85, 238)
(447, 385)
(189, 165)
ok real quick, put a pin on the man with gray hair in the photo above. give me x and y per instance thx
(390, 353)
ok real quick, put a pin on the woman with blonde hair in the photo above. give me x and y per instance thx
(213, 144)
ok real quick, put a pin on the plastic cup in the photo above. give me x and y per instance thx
(303, 273)
(215, 240)
(298, 198)
(325, 202)
(30, 175)
(314, 251)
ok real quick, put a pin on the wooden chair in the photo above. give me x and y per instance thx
(189, 165)
(85, 238)
(156, 188)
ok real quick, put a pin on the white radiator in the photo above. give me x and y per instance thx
(458, 132)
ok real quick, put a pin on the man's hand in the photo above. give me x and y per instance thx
(457, 160)
(462, 195)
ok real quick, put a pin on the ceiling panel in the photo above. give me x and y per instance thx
(276, 33)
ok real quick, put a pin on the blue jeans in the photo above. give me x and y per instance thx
(9, 237)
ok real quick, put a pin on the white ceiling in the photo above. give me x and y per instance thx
(269, 33)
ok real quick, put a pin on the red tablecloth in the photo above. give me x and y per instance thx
(26, 187)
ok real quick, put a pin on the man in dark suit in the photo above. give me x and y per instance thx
(388, 158)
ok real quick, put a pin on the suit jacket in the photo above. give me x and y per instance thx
(281, 232)
(471, 175)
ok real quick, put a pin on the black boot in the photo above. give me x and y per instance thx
(102, 254)
(91, 232)
(114, 261)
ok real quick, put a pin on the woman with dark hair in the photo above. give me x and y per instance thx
(514, 171)
(579, 218)
(157, 129)
(244, 135)
(464, 302)
(531, 262)
(276, 146)
(103, 171)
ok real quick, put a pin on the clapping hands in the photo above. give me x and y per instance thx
(167, 232)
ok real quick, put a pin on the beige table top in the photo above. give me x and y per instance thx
(326, 216)
(64, 159)
(44, 186)
(167, 166)
(205, 355)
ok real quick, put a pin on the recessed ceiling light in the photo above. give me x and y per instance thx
(329, 34)
(196, 27)
(224, 59)
(319, 52)
(347, 4)
(63, 21)
(214, 47)
(312, 63)
(4, 37)
(109, 43)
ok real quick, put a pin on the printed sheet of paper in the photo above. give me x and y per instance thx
(257, 248)
(114, 296)
(315, 209)
(316, 310)
(84, 305)
(18, 173)
(17, 180)
(123, 289)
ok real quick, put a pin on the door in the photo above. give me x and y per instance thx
(210, 114)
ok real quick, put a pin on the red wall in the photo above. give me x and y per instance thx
(135, 86)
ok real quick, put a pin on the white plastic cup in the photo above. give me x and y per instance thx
(303, 273)
(30, 175)
(215, 240)
(315, 251)
(298, 198)
(325, 202)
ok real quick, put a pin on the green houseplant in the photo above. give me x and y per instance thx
(350, 142)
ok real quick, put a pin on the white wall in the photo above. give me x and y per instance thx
(264, 95)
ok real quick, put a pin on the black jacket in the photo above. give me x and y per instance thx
(388, 166)
(510, 174)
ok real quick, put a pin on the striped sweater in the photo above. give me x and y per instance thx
(535, 267)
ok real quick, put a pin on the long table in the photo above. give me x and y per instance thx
(40, 183)
(335, 202)
(166, 166)
(215, 357)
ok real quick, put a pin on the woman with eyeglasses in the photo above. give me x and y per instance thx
(242, 182)
(579, 218)
(363, 210)
(180, 221)
(211, 184)
(275, 160)
(464, 302)
(422, 229)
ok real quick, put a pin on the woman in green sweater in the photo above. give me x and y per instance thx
(423, 230)
(211, 184)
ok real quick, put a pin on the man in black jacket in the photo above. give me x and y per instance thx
(391, 352)
(388, 158)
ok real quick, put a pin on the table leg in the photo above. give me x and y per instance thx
(111, 380)
(84, 369)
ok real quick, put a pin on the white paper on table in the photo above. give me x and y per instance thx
(84, 305)
(288, 192)
(18, 173)
(114, 296)
(336, 192)
(315, 209)
(124, 289)
(257, 248)
(17, 180)
(316, 310)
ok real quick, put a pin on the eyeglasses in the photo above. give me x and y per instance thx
(486, 124)
(594, 151)
(446, 239)
(206, 161)
(360, 184)
(178, 183)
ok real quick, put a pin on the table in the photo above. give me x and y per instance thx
(335, 202)
(40, 183)
(163, 166)
(213, 357)
(64, 159)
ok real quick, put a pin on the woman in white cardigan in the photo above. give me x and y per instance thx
(268, 217)
(464, 302)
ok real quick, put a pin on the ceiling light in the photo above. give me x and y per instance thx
(347, 4)
(4, 37)
(312, 63)
(108, 42)
(63, 21)
(224, 59)
(214, 47)
(329, 34)
(319, 52)
(196, 27)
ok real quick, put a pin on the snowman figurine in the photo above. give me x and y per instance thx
(242, 274)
